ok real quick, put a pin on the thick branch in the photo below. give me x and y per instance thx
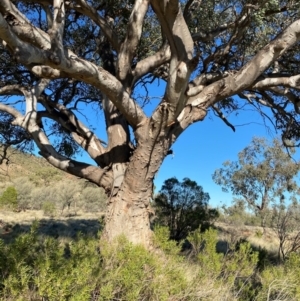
(203, 80)
(57, 30)
(76, 68)
(291, 82)
(80, 133)
(129, 46)
(188, 116)
(23, 28)
(10, 110)
(244, 78)
(21, 50)
(270, 53)
(12, 90)
(161, 57)
(29, 123)
(93, 174)
(49, 16)
(119, 148)
(174, 27)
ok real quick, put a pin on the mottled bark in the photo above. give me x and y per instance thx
(129, 210)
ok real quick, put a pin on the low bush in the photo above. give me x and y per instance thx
(9, 198)
(49, 208)
(34, 268)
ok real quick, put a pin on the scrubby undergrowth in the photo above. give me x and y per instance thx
(39, 268)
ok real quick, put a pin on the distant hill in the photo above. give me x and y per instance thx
(21, 164)
(40, 186)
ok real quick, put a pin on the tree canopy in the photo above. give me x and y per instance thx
(263, 176)
(213, 56)
(182, 206)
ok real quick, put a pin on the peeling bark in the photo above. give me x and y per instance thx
(129, 211)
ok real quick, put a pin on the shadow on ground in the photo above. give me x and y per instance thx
(69, 228)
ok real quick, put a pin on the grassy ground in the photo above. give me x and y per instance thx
(258, 237)
(14, 223)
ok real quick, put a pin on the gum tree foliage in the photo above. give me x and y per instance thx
(63, 60)
(182, 207)
(263, 175)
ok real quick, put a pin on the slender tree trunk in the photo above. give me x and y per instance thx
(281, 254)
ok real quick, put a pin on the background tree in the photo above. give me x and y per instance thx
(237, 213)
(183, 207)
(58, 55)
(24, 188)
(263, 173)
(92, 199)
(285, 222)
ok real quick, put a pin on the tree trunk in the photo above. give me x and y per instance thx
(128, 214)
(129, 210)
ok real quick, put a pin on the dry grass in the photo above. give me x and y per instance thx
(29, 216)
(13, 224)
(256, 236)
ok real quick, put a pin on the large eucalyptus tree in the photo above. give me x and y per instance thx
(56, 55)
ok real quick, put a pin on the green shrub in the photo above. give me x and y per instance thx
(161, 240)
(49, 209)
(42, 270)
(281, 282)
(34, 268)
(133, 273)
(9, 198)
(205, 245)
(232, 270)
(259, 233)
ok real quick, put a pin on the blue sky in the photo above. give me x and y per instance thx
(205, 146)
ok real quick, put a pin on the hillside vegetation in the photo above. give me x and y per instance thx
(25, 164)
(28, 182)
